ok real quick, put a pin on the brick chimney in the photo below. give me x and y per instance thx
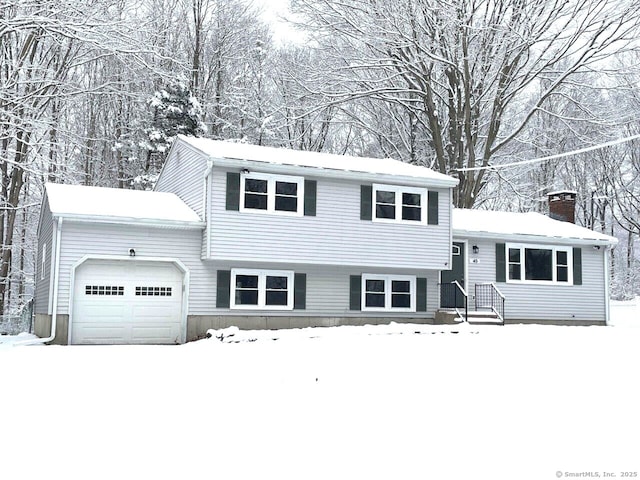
(562, 205)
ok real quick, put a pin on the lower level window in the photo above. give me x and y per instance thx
(263, 289)
(536, 263)
(388, 292)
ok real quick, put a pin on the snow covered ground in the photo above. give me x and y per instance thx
(464, 402)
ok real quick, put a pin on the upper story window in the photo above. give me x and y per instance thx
(538, 263)
(393, 203)
(282, 194)
(389, 293)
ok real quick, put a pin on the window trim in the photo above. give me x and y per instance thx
(271, 193)
(554, 263)
(43, 264)
(398, 191)
(262, 288)
(388, 279)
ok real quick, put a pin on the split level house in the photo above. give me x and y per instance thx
(264, 238)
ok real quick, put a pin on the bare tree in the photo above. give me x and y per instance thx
(45, 46)
(466, 70)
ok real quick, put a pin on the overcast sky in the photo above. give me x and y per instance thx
(273, 10)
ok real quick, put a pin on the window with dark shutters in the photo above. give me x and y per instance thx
(310, 193)
(233, 191)
(223, 287)
(355, 292)
(532, 263)
(365, 202)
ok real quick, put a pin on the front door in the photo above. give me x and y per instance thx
(450, 296)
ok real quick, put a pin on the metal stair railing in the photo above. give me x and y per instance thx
(488, 296)
(450, 293)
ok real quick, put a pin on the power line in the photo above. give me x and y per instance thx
(550, 157)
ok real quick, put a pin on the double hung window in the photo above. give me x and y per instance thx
(281, 194)
(388, 292)
(537, 263)
(43, 264)
(399, 204)
(262, 289)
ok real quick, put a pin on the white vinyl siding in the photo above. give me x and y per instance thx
(327, 291)
(334, 236)
(327, 287)
(183, 174)
(80, 239)
(542, 301)
(45, 237)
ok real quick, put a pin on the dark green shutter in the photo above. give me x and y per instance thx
(366, 192)
(421, 295)
(310, 187)
(432, 208)
(577, 266)
(233, 191)
(223, 288)
(300, 291)
(355, 292)
(501, 263)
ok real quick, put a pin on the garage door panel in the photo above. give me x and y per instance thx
(102, 312)
(106, 334)
(153, 313)
(124, 302)
(155, 333)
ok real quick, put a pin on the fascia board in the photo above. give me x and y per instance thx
(532, 238)
(131, 221)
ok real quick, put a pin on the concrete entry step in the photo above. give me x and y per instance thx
(451, 316)
(484, 318)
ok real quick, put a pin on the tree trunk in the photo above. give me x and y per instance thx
(15, 188)
(53, 142)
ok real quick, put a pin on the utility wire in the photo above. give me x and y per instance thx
(550, 157)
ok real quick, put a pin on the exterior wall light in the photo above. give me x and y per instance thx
(476, 250)
(132, 252)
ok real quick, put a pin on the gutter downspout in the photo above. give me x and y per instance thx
(207, 175)
(54, 313)
(607, 308)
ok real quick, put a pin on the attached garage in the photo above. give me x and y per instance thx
(114, 266)
(127, 302)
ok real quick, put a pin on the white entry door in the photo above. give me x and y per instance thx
(124, 302)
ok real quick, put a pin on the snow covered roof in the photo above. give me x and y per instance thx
(528, 226)
(558, 192)
(119, 205)
(330, 163)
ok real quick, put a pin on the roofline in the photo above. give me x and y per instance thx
(447, 182)
(147, 222)
(334, 173)
(557, 192)
(518, 237)
(44, 199)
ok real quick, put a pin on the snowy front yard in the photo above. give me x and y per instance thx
(513, 402)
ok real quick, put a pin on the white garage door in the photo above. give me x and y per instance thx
(122, 302)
